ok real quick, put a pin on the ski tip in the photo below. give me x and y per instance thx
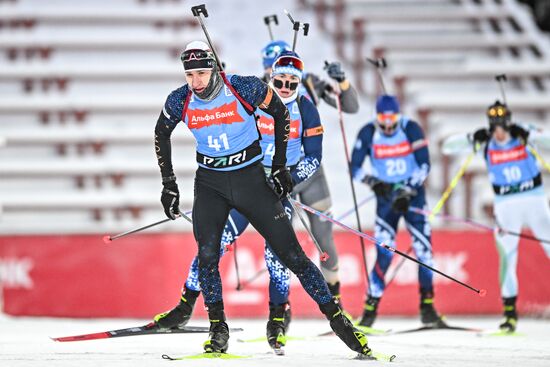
(107, 239)
(499, 333)
(482, 292)
(375, 357)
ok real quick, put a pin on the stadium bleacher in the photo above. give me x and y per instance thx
(442, 58)
(67, 73)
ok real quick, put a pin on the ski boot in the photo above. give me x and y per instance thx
(510, 315)
(428, 315)
(335, 291)
(355, 339)
(277, 327)
(179, 316)
(218, 335)
(369, 313)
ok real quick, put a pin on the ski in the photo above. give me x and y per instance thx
(149, 329)
(503, 333)
(264, 339)
(376, 356)
(210, 355)
(434, 327)
(365, 329)
(372, 331)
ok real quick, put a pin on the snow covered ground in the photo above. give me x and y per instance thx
(25, 342)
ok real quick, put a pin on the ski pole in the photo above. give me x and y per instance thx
(397, 268)
(197, 11)
(379, 64)
(296, 28)
(352, 185)
(324, 255)
(538, 157)
(107, 239)
(481, 292)
(236, 265)
(241, 286)
(267, 20)
(473, 223)
(451, 186)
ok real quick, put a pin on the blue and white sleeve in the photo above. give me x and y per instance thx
(419, 145)
(312, 142)
(361, 150)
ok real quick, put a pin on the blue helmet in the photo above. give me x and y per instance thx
(272, 50)
(387, 104)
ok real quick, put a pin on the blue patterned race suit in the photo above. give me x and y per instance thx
(401, 159)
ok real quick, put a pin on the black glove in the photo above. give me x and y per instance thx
(402, 199)
(518, 132)
(481, 136)
(170, 199)
(380, 188)
(334, 70)
(282, 180)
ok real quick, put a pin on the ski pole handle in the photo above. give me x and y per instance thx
(296, 27)
(501, 79)
(197, 11)
(379, 64)
(268, 20)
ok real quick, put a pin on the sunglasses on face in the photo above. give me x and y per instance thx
(289, 85)
(387, 122)
(496, 111)
(289, 61)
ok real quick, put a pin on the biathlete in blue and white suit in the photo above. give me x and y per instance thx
(315, 191)
(400, 163)
(219, 111)
(510, 156)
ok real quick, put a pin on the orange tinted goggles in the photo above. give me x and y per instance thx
(387, 118)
